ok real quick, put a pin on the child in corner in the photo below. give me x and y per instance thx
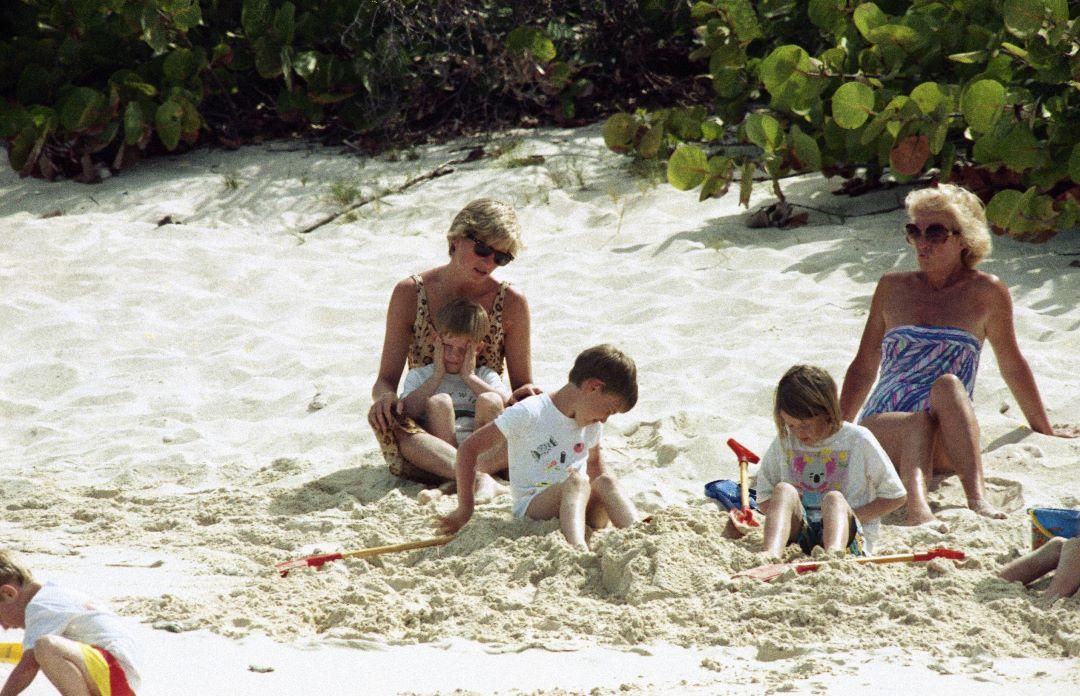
(81, 648)
(1059, 555)
(452, 396)
(822, 482)
(553, 446)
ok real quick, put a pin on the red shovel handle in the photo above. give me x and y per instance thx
(742, 453)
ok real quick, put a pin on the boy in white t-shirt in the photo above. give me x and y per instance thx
(553, 449)
(82, 647)
(452, 397)
(823, 481)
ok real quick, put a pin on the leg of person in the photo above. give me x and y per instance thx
(784, 520)
(488, 407)
(567, 501)
(495, 461)
(835, 516)
(439, 418)
(607, 501)
(959, 437)
(1029, 568)
(428, 453)
(908, 439)
(1067, 576)
(64, 664)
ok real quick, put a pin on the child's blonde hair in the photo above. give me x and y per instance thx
(612, 367)
(490, 221)
(806, 391)
(964, 207)
(12, 572)
(463, 317)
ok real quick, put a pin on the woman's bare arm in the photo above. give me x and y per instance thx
(518, 344)
(399, 319)
(862, 371)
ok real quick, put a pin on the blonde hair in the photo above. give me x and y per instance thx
(965, 208)
(462, 317)
(806, 391)
(611, 366)
(12, 572)
(490, 221)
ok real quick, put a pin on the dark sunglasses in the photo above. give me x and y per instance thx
(935, 233)
(485, 250)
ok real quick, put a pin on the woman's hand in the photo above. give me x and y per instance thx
(384, 412)
(524, 392)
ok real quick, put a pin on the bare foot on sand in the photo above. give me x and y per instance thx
(928, 521)
(985, 509)
(487, 488)
(428, 495)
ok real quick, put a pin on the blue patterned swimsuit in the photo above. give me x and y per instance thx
(912, 357)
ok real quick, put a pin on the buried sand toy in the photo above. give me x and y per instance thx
(767, 573)
(319, 560)
(738, 499)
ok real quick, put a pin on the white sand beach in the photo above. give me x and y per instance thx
(183, 402)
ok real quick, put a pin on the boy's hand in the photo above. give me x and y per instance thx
(469, 366)
(450, 524)
(440, 366)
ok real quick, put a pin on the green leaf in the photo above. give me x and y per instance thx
(784, 63)
(1074, 164)
(168, 120)
(304, 63)
(180, 64)
(533, 41)
(136, 123)
(939, 133)
(703, 10)
(687, 167)
(1003, 210)
(969, 57)
(746, 183)
(81, 108)
(1019, 149)
(982, 104)
(619, 131)
(1024, 17)
(187, 17)
(764, 131)
(806, 149)
(928, 96)
(255, 17)
(742, 19)
(650, 142)
(1015, 50)
(826, 15)
(899, 35)
(712, 128)
(852, 104)
(868, 17)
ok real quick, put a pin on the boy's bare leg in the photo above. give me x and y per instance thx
(1067, 576)
(567, 501)
(62, 662)
(608, 502)
(783, 521)
(439, 418)
(908, 439)
(1029, 568)
(959, 435)
(835, 512)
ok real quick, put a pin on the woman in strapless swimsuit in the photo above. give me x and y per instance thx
(484, 235)
(926, 329)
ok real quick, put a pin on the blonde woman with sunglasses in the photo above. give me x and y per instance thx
(925, 331)
(484, 235)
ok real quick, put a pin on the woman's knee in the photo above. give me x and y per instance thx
(947, 387)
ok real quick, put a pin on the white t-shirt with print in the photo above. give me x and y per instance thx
(464, 398)
(543, 446)
(850, 461)
(58, 611)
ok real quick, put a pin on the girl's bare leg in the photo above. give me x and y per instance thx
(908, 439)
(1027, 569)
(1067, 576)
(835, 513)
(959, 435)
(783, 521)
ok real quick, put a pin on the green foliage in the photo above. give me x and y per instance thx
(85, 83)
(984, 92)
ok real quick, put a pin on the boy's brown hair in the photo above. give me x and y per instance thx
(612, 367)
(12, 572)
(462, 317)
(806, 391)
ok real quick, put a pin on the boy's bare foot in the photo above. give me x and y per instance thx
(985, 509)
(428, 495)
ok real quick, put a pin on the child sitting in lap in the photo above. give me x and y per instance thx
(1062, 556)
(553, 444)
(81, 647)
(823, 481)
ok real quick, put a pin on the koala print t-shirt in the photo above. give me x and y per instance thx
(851, 461)
(543, 446)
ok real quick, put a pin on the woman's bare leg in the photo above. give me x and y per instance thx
(783, 521)
(908, 439)
(959, 436)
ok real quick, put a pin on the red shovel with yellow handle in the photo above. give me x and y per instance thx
(746, 457)
(320, 560)
(766, 573)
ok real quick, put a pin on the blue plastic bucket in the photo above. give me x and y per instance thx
(727, 496)
(1047, 523)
